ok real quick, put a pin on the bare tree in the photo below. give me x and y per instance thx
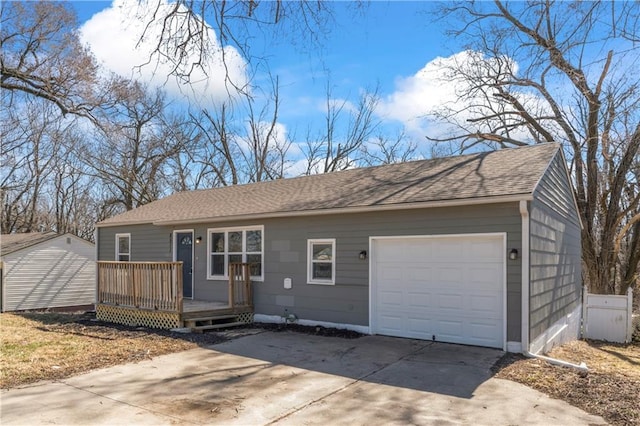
(72, 191)
(32, 139)
(215, 157)
(41, 56)
(183, 166)
(266, 144)
(133, 145)
(193, 31)
(384, 150)
(533, 75)
(334, 150)
(240, 141)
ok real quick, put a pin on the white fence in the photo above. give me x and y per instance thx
(608, 317)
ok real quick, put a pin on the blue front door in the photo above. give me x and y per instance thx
(184, 254)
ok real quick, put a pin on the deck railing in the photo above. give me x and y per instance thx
(143, 285)
(240, 285)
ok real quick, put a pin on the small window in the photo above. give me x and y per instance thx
(123, 247)
(321, 261)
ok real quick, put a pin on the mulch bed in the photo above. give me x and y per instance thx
(87, 321)
(306, 329)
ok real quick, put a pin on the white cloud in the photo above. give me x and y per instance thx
(417, 95)
(337, 105)
(114, 36)
(436, 89)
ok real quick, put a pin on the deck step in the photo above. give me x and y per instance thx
(220, 320)
(202, 328)
(209, 318)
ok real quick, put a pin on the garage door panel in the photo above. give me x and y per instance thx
(389, 272)
(420, 300)
(417, 273)
(481, 290)
(485, 304)
(483, 251)
(483, 331)
(483, 273)
(420, 326)
(449, 274)
(450, 328)
(450, 287)
(391, 298)
(450, 301)
(392, 323)
(444, 250)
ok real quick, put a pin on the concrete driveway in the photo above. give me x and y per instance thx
(290, 378)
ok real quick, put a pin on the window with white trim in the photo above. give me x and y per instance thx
(235, 245)
(321, 261)
(123, 247)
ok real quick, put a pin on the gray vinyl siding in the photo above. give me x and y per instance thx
(56, 273)
(285, 256)
(149, 243)
(555, 254)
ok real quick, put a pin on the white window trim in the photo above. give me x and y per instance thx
(118, 236)
(226, 250)
(310, 244)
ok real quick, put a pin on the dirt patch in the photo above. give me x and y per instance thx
(610, 389)
(55, 345)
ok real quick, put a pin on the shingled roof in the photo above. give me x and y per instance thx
(503, 173)
(10, 243)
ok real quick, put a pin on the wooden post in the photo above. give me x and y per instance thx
(232, 279)
(246, 284)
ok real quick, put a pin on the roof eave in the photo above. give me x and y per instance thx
(124, 223)
(365, 209)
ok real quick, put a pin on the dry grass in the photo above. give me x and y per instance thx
(610, 389)
(47, 346)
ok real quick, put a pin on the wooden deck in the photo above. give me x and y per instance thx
(192, 305)
(202, 309)
(150, 294)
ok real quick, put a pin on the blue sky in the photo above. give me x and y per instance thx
(390, 39)
(396, 46)
(381, 47)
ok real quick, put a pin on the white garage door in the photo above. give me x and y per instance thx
(447, 288)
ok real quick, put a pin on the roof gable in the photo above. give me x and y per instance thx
(508, 172)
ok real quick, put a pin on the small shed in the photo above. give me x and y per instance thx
(46, 270)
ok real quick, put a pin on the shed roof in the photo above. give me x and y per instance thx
(10, 243)
(502, 173)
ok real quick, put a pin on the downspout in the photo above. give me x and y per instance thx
(524, 213)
